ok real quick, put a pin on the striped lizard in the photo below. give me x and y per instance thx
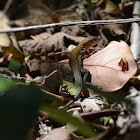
(75, 62)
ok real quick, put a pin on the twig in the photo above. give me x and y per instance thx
(45, 116)
(60, 98)
(8, 4)
(95, 22)
(98, 114)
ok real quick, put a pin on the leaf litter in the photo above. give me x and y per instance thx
(40, 58)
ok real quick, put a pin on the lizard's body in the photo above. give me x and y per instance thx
(76, 65)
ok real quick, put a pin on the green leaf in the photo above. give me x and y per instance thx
(5, 84)
(47, 99)
(111, 97)
(18, 108)
(14, 66)
(71, 87)
(106, 120)
(106, 106)
(72, 128)
(65, 117)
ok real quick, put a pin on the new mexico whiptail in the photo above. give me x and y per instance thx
(75, 62)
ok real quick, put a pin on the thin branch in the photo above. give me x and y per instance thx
(98, 114)
(8, 4)
(95, 22)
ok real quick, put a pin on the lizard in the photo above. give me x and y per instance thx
(75, 62)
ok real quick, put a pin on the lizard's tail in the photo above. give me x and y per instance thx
(78, 80)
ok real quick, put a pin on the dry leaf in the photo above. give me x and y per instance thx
(51, 43)
(104, 68)
(5, 59)
(52, 82)
(107, 10)
(8, 41)
(75, 31)
(16, 55)
(56, 134)
(39, 65)
(7, 38)
(7, 73)
(89, 105)
(4, 38)
(42, 52)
